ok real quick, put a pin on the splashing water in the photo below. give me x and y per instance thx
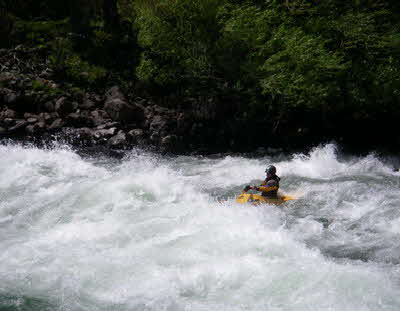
(147, 233)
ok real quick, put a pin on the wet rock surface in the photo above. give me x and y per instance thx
(35, 104)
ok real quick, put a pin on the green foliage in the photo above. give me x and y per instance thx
(300, 69)
(65, 61)
(83, 72)
(180, 37)
(39, 33)
(60, 48)
(43, 86)
(37, 85)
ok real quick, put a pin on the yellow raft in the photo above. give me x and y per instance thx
(257, 199)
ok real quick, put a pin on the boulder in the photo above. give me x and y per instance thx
(35, 128)
(84, 133)
(171, 143)
(183, 123)
(6, 77)
(57, 124)
(41, 125)
(168, 140)
(47, 73)
(9, 122)
(105, 133)
(107, 125)
(8, 113)
(64, 106)
(136, 136)
(120, 110)
(157, 122)
(87, 104)
(158, 125)
(49, 106)
(98, 117)
(19, 126)
(28, 115)
(79, 119)
(32, 120)
(46, 117)
(8, 97)
(118, 140)
(30, 129)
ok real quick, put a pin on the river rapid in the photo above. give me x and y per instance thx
(150, 232)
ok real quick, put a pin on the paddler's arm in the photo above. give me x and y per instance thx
(265, 189)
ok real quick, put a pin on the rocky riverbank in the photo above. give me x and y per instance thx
(37, 104)
(34, 104)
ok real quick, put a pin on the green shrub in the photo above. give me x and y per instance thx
(39, 33)
(83, 72)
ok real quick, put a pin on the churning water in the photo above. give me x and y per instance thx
(164, 233)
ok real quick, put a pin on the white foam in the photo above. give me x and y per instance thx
(144, 234)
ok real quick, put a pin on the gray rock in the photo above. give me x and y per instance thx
(87, 104)
(6, 76)
(40, 125)
(118, 140)
(107, 125)
(10, 98)
(47, 73)
(136, 136)
(9, 122)
(19, 126)
(84, 133)
(123, 112)
(105, 133)
(32, 120)
(49, 106)
(159, 110)
(98, 117)
(57, 124)
(30, 129)
(78, 119)
(46, 117)
(155, 138)
(28, 115)
(114, 92)
(64, 106)
(168, 141)
(35, 128)
(120, 110)
(136, 133)
(158, 125)
(8, 113)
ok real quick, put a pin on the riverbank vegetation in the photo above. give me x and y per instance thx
(286, 68)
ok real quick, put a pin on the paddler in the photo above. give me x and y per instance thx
(269, 188)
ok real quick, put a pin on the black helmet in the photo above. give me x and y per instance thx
(271, 170)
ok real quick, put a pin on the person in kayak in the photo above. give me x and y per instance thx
(269, 188)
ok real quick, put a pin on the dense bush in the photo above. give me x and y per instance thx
(295, 53)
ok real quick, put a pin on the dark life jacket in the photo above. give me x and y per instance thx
(271, 181)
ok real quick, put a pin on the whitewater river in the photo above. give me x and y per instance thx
(147, 232)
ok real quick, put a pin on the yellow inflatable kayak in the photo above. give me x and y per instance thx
(256, 199)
